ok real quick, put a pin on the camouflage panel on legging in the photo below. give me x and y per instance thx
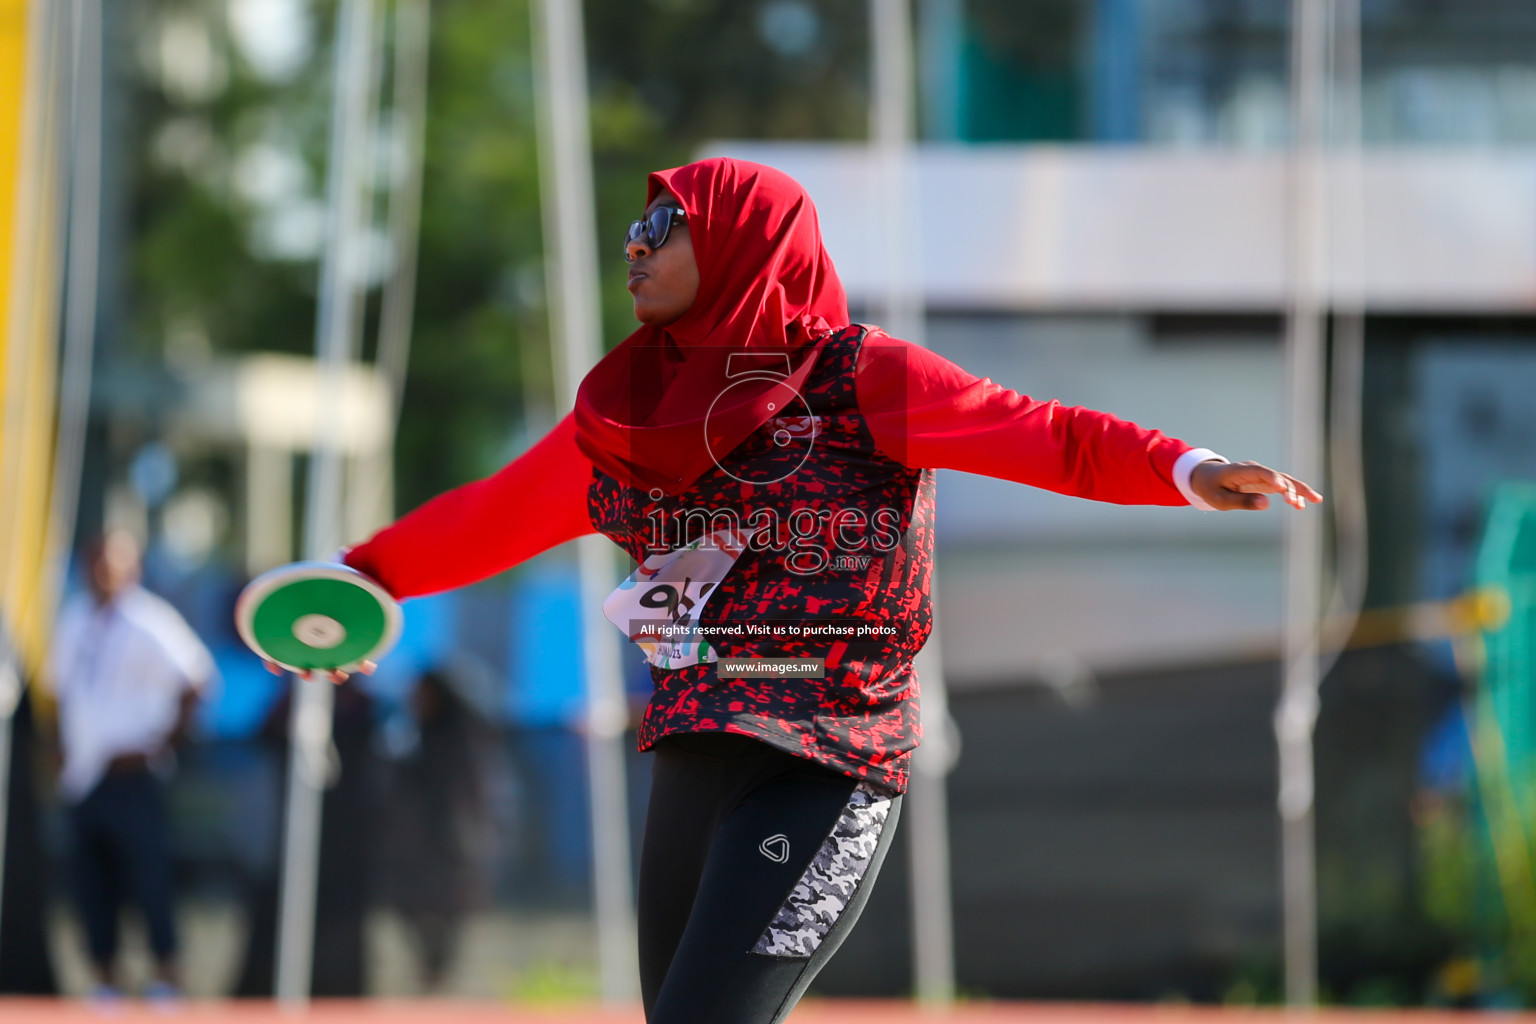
(829, 883)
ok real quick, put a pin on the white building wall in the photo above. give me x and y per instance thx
(1051, 228)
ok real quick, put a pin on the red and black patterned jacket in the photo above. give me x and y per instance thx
(854, 545)
(885, 414)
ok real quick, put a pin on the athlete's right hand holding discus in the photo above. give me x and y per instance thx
(336, 676)
(1243, 485)
(317, 618)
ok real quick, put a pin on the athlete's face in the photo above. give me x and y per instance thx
(663, 280)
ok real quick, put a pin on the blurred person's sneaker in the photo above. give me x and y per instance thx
(162, 995)
(105, 997)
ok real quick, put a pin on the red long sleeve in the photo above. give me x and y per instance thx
(536, 501)
(924, 411)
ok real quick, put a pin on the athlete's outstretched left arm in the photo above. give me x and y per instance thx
(536, 501)
(924, 411)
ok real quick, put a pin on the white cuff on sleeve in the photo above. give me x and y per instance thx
(1186, 466)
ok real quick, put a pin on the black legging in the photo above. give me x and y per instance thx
(755, 866)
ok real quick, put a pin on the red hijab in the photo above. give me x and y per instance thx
(768, 294)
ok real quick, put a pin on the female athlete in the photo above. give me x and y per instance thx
(769, 466)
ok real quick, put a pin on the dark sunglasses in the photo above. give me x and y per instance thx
(653, 228)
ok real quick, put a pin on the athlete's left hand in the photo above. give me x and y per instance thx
(1243, 485)
(338, 676)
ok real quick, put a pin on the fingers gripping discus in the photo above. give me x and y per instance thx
(317, 616)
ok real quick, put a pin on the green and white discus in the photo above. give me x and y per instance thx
(317, 616)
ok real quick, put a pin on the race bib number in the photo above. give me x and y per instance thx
(659, 606)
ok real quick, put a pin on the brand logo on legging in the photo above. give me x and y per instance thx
(775, 848)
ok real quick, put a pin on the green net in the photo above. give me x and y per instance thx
(1504, 738)
(1506, 562)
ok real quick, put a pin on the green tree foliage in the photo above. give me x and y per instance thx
(228, 177)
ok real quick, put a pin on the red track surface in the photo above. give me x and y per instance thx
(21, 1011)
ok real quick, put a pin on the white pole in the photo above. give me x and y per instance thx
(80, 289)
(891, 131)
(413, 36)
(413, 33)
(1305, 343)
(1346, 216)
(336, 332)
(927, 810)
(565, 176)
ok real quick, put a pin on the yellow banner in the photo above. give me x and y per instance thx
(29, 201)
(13, 60)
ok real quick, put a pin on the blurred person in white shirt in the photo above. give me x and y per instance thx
(127, 671)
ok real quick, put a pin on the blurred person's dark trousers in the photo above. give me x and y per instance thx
(26, 963)
(123, 850)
